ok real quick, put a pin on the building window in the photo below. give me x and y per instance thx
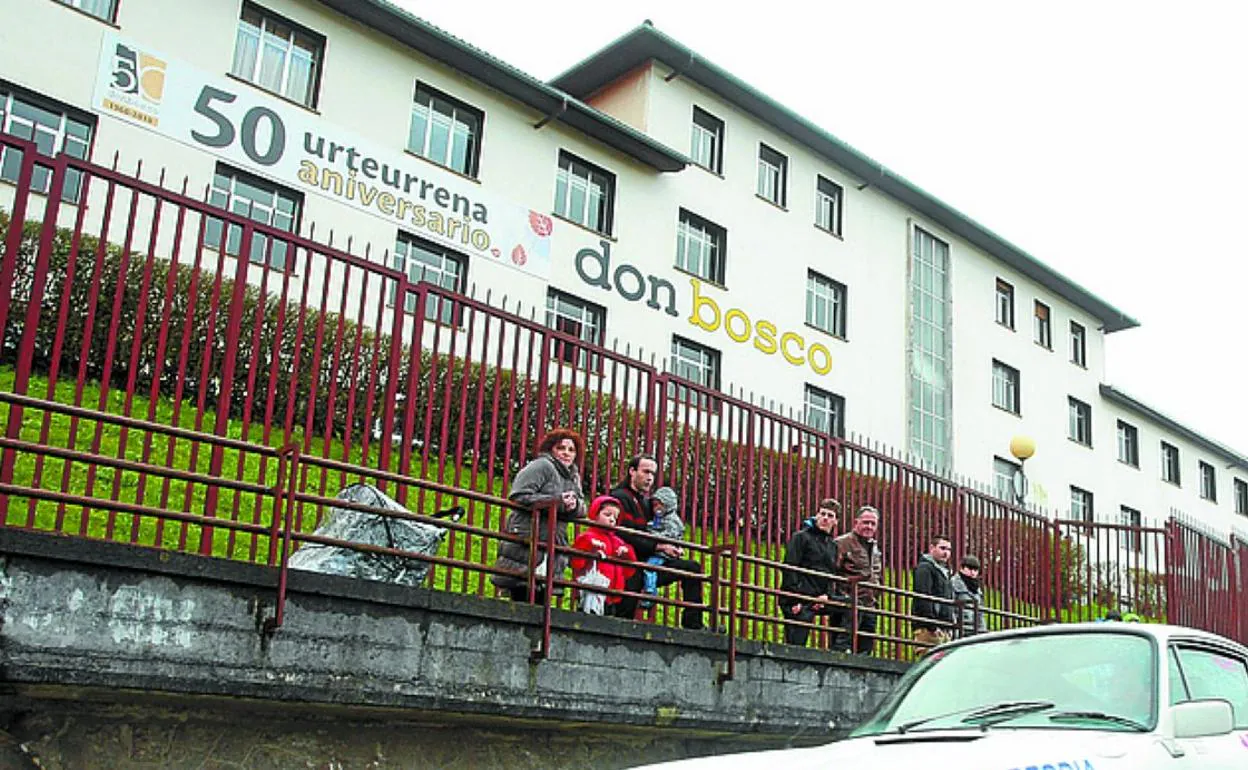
(1208, 482)
(1003, 474)
(1241, 497)
(1005, 304)
(1081, 505)
(445, 130)
(1044, 327)
(1078, 344)
(1170, 464)
(773, 173)
(278, 55)
(101, 9)
(825, 411)
(825, 304)
(1080, 422)
(427, 262)
(828, 197)
(698, 364)
(584, 193)
(580, 319)
(258, 199)
(1128, 444)
(706, 142)
(701, 247)
(928, 363)
(1005, 390)
(54, 129)
(1129, 517)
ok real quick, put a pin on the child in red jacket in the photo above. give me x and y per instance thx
(602, 542)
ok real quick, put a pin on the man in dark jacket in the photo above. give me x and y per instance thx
(933, 621)
(858, 558)
(636, 510)
(811, 548)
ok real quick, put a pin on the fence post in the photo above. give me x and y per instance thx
(731, 667)
(1171, 545)
(542, 651)
(288, 455)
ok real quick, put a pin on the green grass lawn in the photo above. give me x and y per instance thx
(109, 490)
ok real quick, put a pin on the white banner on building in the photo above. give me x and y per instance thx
(288, 145)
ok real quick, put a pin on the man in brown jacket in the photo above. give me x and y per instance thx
(859, 558)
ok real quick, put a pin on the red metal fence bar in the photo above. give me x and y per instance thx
(185, 360)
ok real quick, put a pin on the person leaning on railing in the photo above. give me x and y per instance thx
(858, 558)
(933, 620)
(552, 477)
(969, 594)
(812, 548)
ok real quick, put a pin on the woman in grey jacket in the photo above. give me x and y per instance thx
(552, 477)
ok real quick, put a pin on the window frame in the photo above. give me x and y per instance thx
(1012, 382)
(402, 262)
(1005, 304)
(1078, 344)
(41, 177)
(76, 5)
(835, 207)
(1240, 493)
(1171, 472)
(1131, 517)
(835, 410)
(837, 299)
(236, 175)
(1043, 325)
(318, 60)
(998, 464)
(1086, 498)
(1079, 414)
(684, 395)
(713, 236)
(564, 176)
(473, 155)
(1208, 481)
(582, 357)
(716, 132)
(781, 167)
(1128, 439)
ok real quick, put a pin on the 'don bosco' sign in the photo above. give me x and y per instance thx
(594, 268)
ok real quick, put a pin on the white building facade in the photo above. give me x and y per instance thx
(687, 214)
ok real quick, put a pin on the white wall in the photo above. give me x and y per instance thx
(367, 89)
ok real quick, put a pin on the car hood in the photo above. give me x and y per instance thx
(995, 749)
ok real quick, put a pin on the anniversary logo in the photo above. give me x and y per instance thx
(290, 146)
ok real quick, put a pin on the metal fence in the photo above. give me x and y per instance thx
(179, 376)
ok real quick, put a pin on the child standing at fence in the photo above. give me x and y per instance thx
(666, 523)
(593, 573)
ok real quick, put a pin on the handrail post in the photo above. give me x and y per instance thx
(290, 451)
(730, 670)
(542, 651)
(853, 615)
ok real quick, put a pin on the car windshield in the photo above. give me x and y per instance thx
(1093, 681)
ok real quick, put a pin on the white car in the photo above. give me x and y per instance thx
(1087, 696)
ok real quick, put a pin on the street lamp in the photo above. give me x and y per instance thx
(1022, 447)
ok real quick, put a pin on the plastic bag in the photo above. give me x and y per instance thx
(592, 602)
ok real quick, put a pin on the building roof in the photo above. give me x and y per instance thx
(1110, 393)
(550, 101)
(645, 43)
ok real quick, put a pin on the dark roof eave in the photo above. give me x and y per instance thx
(549, 100)
(1110, 393)
(645, 43)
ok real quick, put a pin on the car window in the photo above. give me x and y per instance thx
(1212, 674)
(1178, 688)
(1105, 672)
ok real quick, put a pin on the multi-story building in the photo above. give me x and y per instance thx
(689, 214)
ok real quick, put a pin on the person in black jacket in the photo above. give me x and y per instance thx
(813, 547)
(636, 510)
(933, 621)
